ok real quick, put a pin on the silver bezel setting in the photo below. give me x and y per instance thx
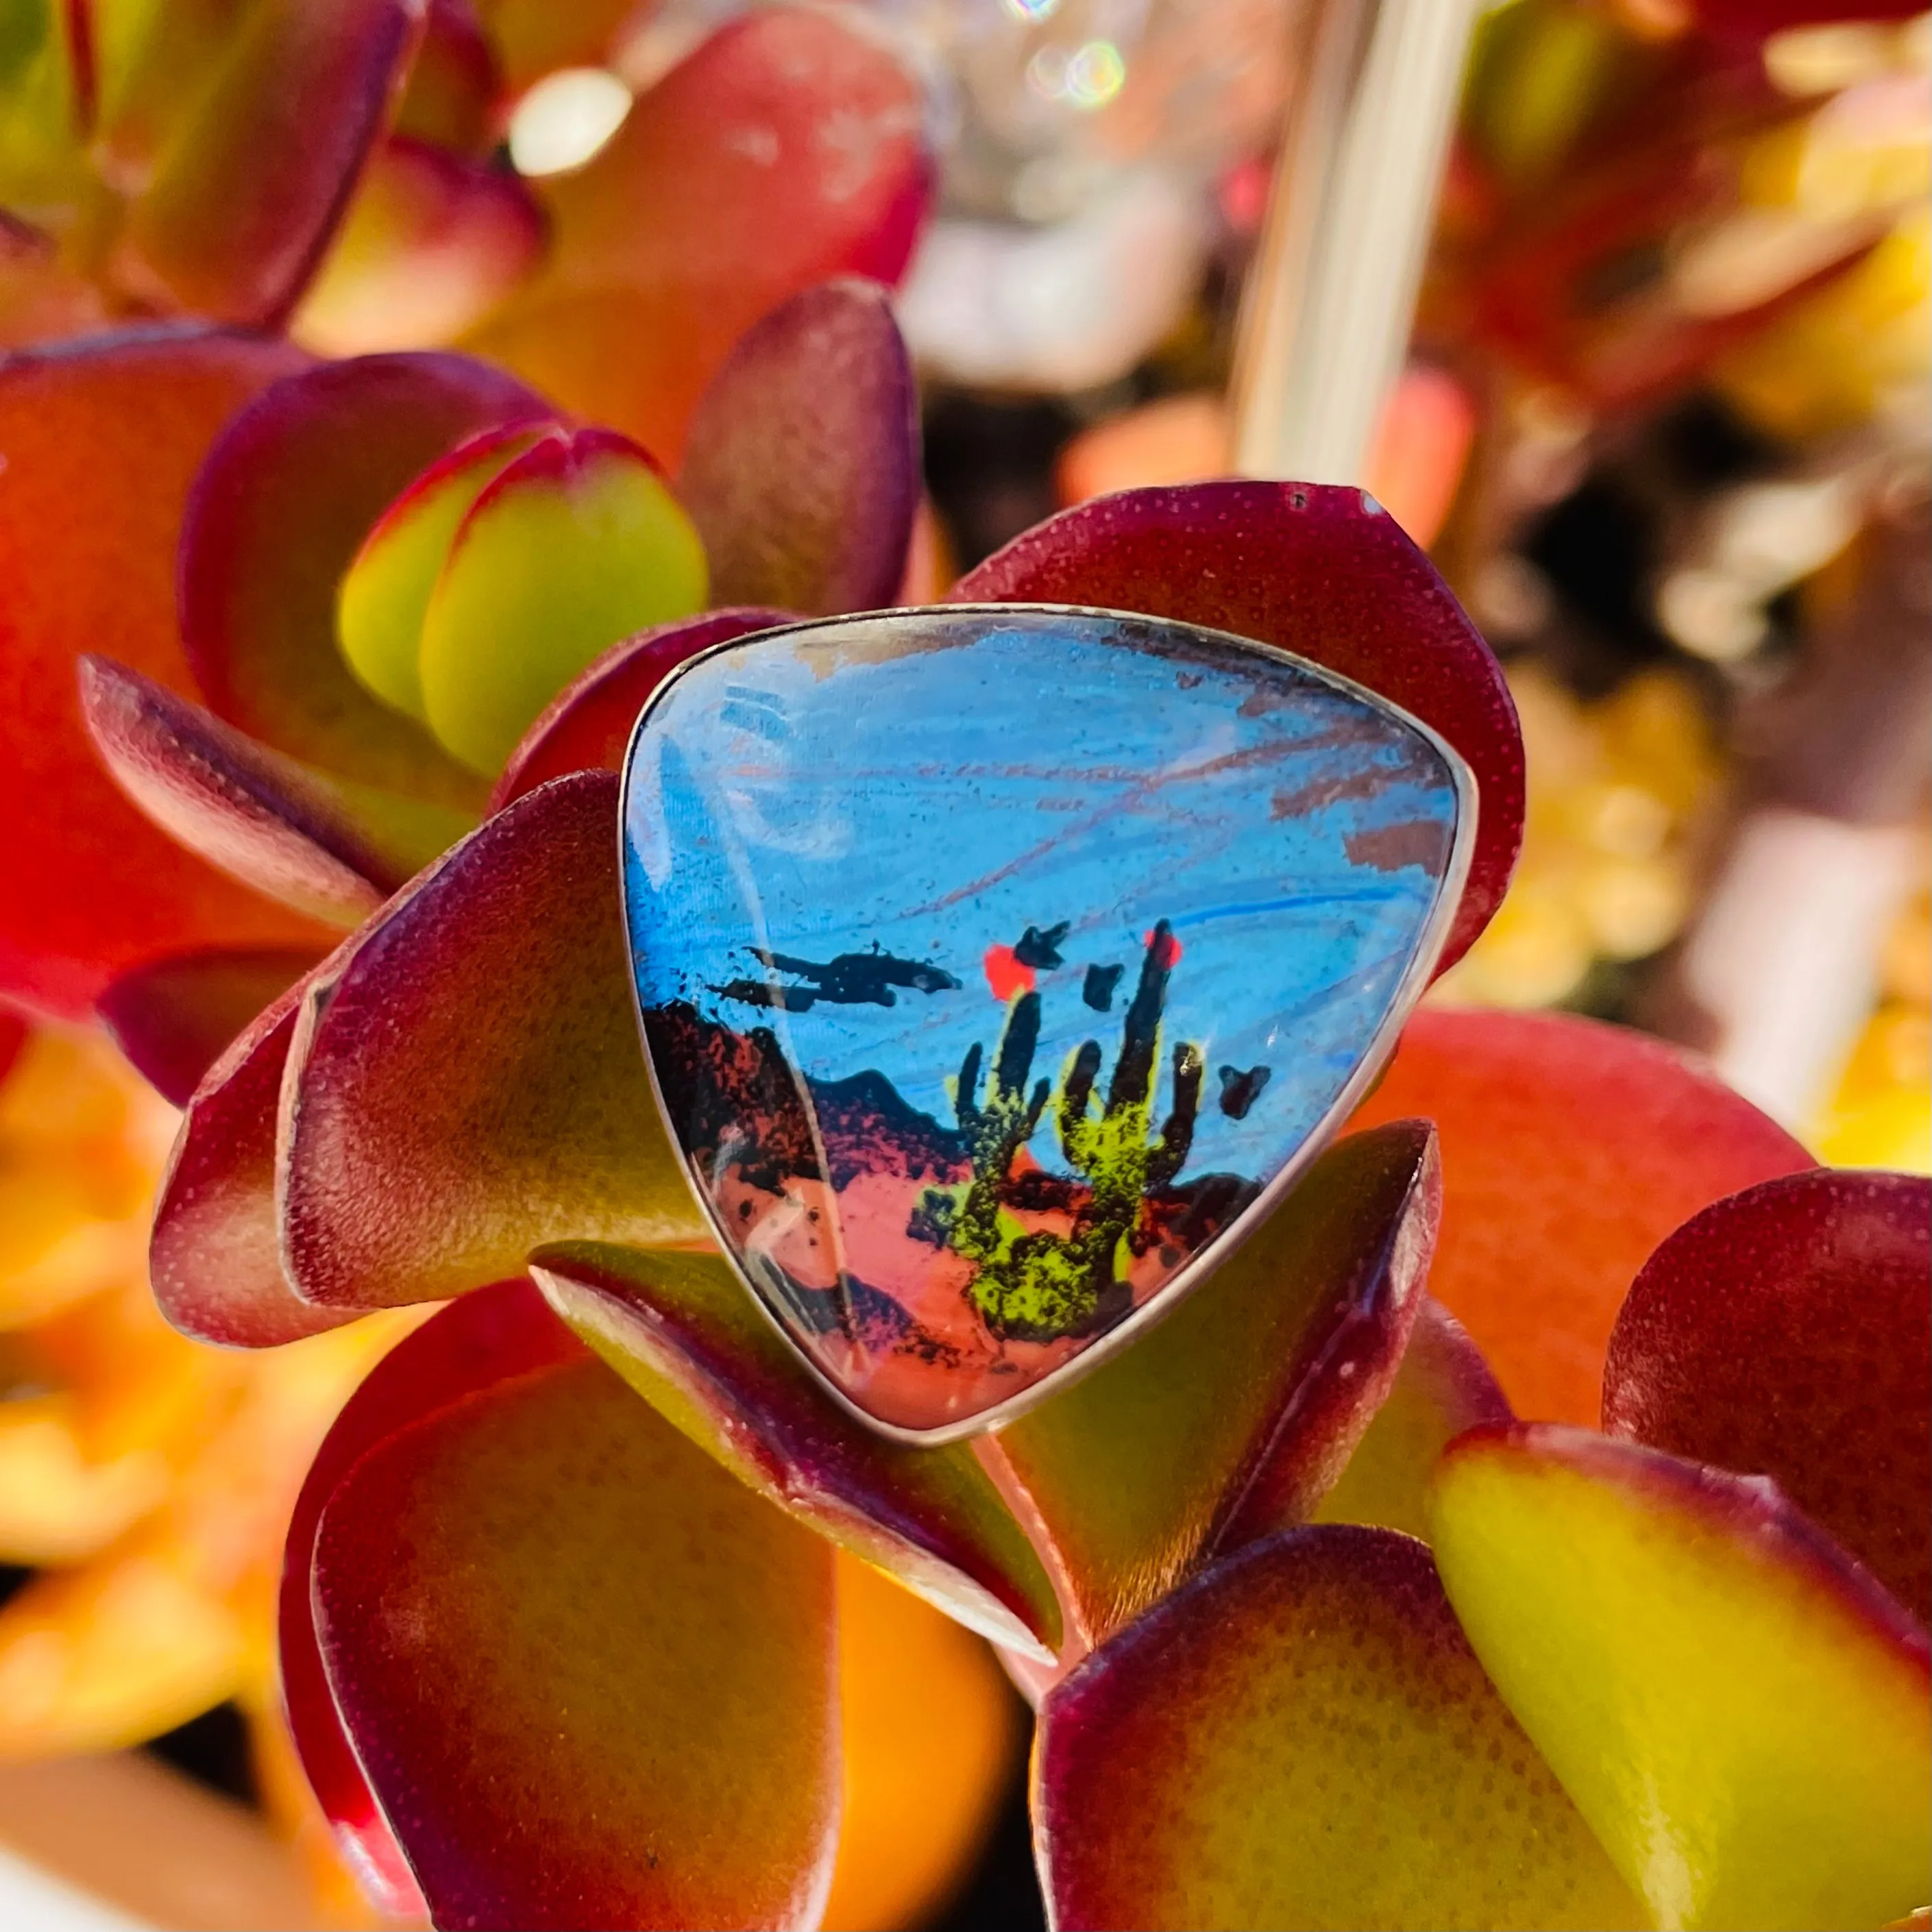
(1199, 1267)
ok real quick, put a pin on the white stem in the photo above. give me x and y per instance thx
(1331, 298)
(1783, 957)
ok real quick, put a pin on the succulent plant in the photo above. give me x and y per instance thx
(553, 1657)
(1317, 1632)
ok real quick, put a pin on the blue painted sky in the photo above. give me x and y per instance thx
(822, 793)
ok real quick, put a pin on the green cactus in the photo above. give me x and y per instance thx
(1035, 1284)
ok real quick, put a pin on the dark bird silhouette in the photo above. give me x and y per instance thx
(872, 979)
(1040, 951)
(1240, 1090)
(1098, 990)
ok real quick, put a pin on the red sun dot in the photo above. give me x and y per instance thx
(1005, 974)
(1169, 955)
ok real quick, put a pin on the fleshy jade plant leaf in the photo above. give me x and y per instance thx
(384, 593)
(101, 440)
(683, 1332)
(250, 185)
(785, 150)
(1319, 570)
(471, 1086)
(455, 81)
(576, 543)
(1442, 1387)
(1570, 1149)
(1745, 1718)
(1787, 1331)
(214, 1258)
(1301, 1736)
(325, 846)
(174, 1017)
(432, 243)
(587, 726)
(1756, 20)
(288, 494)
(1237, 1413)
(477, 1343)
(548, 1576)
(802, 471)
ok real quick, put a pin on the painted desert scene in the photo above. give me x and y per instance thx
(972, 1044)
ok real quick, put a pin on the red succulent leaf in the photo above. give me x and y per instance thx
(13, 1032)
(476, 1344)
(1787, 1332)
(1442, 1387)
(1757, 20)
(681, 1330)
(1302, 1736)
(1570, 1149)
(1243, 1405)
(214, 1258)
(1541, 296)
(473, 1085)
(1744, 1716)
(432, 243)
(802, 470)
(576, 542)
(99, 441)
(325, 846)
(174, 1017)
(454, 83)
(785, 150)
(587, 726)
(245, 195)
(42, 298)
(1317, 570)
(588, 1676)
(280, 508)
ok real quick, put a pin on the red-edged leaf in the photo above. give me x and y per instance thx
(100, 442)
(802, 473)
(174, 1017)
(432, 243)
(243, 199)
(13, 1036)
(786, 149)
(574, 545)
(1318, 570)
(588, 1674)
(42, 298)
(1236, 1412)
(1302, 1736)
(1757, 20)
(683, 1330)
(1570, 1149)
(1742, 1715)
(384, 593)
(587, 726)
(476, 1343)
(454, 84)
(282, 506)
(474, 1086)
(1787, 1332)
(1443, 1387)
(214, 1259)
(325, 846)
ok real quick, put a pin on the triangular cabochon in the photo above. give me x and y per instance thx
(994, 962)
